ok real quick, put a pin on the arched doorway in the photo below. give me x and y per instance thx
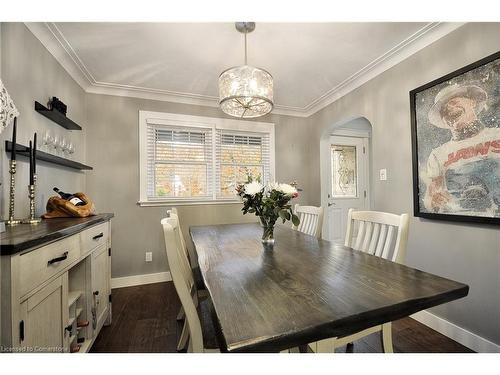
(345, 160)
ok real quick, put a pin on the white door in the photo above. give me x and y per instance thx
(347, 182)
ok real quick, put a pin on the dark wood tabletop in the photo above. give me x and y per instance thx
(25, 237)
(304, 290)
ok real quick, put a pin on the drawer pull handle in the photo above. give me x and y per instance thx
(69, 329)
(98, 236)
(58, 259)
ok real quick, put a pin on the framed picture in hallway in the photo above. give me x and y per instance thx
(456, 144)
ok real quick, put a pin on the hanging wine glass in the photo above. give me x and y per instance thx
(64, 146)
(47, 141)
(55, 144)
(71, 148)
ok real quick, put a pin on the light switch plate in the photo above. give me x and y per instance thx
(383, 174)
(149, 256)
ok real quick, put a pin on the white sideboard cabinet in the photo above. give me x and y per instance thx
(55, 284)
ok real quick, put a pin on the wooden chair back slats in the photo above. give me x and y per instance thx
(359, 237)
(374, 239)
(182, 278)
(367, 236)
(388, 242)
(381, 240)
(308, 224)
(186, 267)
(379, 233)
(311, 220)
(173, 211)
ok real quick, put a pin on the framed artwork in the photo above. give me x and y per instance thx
(7, 108)
(456, 144)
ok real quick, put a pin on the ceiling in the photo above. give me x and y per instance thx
(182, 61)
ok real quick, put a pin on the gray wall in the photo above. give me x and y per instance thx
(31, 73)
(113, 150)
(464, 252)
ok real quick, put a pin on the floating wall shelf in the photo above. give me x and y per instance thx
(40, 155)
(57, 117)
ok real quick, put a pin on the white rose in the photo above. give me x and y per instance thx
(253, 188)
(287, 189)
(273, 186)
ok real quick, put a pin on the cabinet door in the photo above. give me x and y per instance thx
(44, 315)
(100, 287)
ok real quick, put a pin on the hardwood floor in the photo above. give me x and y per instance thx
(144, 321)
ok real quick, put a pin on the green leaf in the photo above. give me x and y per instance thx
(295, 220)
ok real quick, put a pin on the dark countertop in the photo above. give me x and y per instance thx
(24, 236)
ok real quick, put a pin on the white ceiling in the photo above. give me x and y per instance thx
(183, 60)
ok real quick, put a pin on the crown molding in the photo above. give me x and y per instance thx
(52, 39)
(55, 42)
(411, 45)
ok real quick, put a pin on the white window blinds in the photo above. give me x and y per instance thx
(191, 158)
(180, 162)
(240, 155)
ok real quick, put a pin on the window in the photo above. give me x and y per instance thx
(195, 159)
(344, 172)
(240, 155)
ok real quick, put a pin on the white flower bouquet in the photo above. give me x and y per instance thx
(269, 203)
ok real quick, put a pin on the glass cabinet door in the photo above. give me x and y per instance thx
(344, 171)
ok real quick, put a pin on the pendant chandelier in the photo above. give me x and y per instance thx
(246, 91)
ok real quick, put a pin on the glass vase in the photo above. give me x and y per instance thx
(267, 231)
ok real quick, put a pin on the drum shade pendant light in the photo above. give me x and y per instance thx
(246, 91)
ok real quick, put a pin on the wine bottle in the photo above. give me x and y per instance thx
(83, 323)
(70, 197)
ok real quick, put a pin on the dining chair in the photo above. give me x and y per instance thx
(199, 335)
(198, 285)
(381, 234)
(311, 220)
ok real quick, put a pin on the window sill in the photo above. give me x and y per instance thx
(185, 203)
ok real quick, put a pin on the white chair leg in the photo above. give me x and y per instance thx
(387, 338)
(181, 315)
(184, 336)
(195, 298)
(203, 293)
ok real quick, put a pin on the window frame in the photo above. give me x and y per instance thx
(213, 123)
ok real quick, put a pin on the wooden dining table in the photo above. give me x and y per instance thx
(303, 289)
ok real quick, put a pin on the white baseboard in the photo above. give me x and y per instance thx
(459, 334)
(151, 278)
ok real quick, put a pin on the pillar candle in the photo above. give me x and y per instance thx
(34, 155)
(31, 163)
(14, 136)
